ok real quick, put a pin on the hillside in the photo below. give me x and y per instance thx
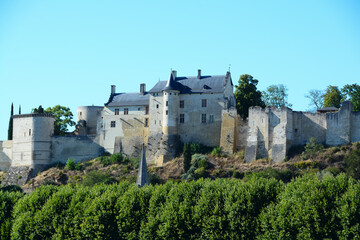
(116, 168)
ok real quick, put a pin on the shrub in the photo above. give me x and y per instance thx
(352, 164)
(105, 160)
(116, 158)
(135, 162)
(216, 152)
(305, 164)
(96, 177)
(70, 164)
(312, 148)
(79, 166)
(237, 174)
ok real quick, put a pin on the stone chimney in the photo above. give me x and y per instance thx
(113, 89)
(142, 88)
(174, 73)
(199, 74)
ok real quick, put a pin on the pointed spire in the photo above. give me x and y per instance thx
(171, 83)
(142, 177)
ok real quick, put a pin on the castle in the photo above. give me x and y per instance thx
(199, 109)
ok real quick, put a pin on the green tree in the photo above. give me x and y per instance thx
(332, 97)
(316, 99)
(10, 130)
(276, 95)
(63, 119)
(247, 95)
(40, 109)
(187, 157)
(351, 92)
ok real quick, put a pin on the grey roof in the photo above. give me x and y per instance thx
(207, 84)
(142, 177)
(172, 84)
(128, 99)
(328, 109)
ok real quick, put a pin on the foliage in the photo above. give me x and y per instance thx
(71, 165)
(312, 148)
(116, 158)
(309, 207)
(63, 119)
(332, 97)
(199, 148)
(352, 164)
(276, 95)
(187, 156)
(40, 109)
(198, 167)
(247, 95)
(316, 99)
(216, 152)
(97, 177)
(283, 175)
(305, 164)
(351, 92)
(11, 123)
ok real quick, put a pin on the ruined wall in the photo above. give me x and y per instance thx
(355, 126)
(5, 155)
(242, 133)
(307, 125)
(339, 125)
(228, 139)
(79, 148)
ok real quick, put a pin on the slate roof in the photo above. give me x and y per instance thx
(128, 99)
(328, 109)
(207, 84)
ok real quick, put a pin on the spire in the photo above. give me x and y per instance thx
(171, 83)
(142, 177)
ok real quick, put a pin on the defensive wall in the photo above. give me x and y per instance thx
(272, 131)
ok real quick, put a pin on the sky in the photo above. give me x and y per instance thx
(70, 52)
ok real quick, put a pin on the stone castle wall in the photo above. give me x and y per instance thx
(5, 155)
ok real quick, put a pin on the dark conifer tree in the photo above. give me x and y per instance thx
(10, 130)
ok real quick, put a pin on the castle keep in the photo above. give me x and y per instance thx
(198, 109)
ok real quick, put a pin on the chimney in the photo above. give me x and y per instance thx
(113, 89)
(199, 74)
(174, 73)
(142, 88)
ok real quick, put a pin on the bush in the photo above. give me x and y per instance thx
(187, 157)
(70, 164)
(216, 152)
(305, 164)
(312, 148)
(116, 158)
(352, 164)
(96, 177)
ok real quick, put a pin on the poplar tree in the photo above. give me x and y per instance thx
(10, 130)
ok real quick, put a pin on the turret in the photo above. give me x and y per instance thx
(171, 106)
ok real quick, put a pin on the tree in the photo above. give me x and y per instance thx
(316, 98)
(63, 118)
(19, 109)
(40, 109)
(351, 92)
(187, 157)
(10, 129)
(247, 95)
(276, 95)
(332, 97)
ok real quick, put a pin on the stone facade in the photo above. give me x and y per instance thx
(272, 131)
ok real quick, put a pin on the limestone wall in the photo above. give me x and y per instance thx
(91, 115)
(339, 126)
(229, 131)
(5, 155)
(355, 126)
(307, 125)
(242, 133)
(79, 148)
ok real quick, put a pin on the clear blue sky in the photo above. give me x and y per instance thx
(70, 52)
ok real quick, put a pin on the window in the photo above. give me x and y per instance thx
(116, 111)
(146, 122)
(80, 113)
(182, 104)
(126, 111)
(29, 132)
(182, 118)
(211, 118)
(138, 109)
(146, 110)
(167, 103)
(167, 112)
(203, 102)
(203, 118)
(157, 105)
(112, 124)
(155, 122)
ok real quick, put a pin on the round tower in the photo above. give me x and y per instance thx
(171, 106)
(32, 139)
(91, 115)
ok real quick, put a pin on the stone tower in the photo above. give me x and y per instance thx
(32, 140)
